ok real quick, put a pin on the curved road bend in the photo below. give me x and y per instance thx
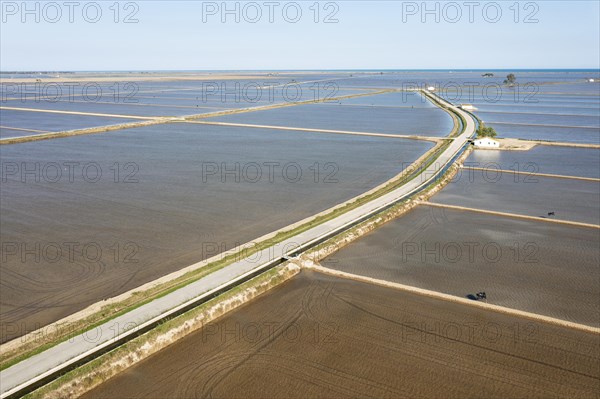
(38, 367)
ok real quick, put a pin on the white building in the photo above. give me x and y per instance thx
(430, 88)
(468, 107)
(486, 142)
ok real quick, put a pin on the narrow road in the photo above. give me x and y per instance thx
(47, 363)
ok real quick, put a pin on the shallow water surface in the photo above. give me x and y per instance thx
(538, 267)
(411, 121)
(152, 200)
(530, 195)
(570, 161)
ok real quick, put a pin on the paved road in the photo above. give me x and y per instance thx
(46, 363)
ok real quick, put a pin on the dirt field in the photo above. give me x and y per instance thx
(319, 336)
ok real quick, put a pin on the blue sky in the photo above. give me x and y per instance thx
(191, 35)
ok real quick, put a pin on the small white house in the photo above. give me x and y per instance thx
(468, 107)
(591, 80)
(430, 88)
(486, 142)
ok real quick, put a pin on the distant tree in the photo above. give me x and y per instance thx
(510, 79)
(488, 75)
(485, 131)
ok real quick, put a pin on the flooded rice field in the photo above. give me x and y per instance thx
(562, 109)
(538, 119)
(41, 122)
(112, 108)
(537, 111)
(410, 121)
(549, 133)
(228, 94)
(563, 81)
(538, 267)
(322, 337)
(134, 205)
(530, 195)
(232, 95)
(569, 161)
